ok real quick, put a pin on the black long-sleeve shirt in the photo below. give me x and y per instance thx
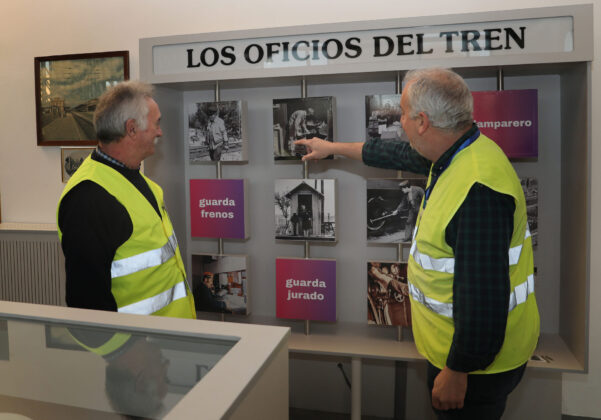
(480, 236)
(94, 224)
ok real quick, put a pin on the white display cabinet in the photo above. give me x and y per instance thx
(561, 75)
(183, 367)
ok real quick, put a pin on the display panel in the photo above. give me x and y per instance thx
(510, 119)
(218, 208)
(306, 289)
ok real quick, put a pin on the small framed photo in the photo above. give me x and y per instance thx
(220, 283)
(217, 131)
(301, 118)
(67, 88)
(383, 117)
(392, 208)
(388, 294)
(71, 159)
(305, 209)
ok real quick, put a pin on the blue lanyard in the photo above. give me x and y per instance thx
(466, 143)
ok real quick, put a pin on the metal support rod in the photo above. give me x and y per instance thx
(500, 81)
(303, 87)
(400, 390)
(222, 317)
(355, 388)
(398, 83)
(305, 176)
(218, 176)
(399, 256)
(399, 333)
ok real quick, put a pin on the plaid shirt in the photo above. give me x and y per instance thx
(479, 234)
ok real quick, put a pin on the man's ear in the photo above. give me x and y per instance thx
(423, 122)
(131, 127)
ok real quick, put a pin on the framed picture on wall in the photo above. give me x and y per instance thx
(67, 88)
(71, 159)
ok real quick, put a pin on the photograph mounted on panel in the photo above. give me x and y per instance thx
(218, 208)
(392, 208)
(301, 118)
(220, 283)
(388, 294)
(530, 187)
(67, 88)
(510, 119)
(305, 289)
(217, 131)
(383, 117)
(71, 159)
(305, 209)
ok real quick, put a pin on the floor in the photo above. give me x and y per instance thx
(300, 414)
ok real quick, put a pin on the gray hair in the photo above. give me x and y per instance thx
(442, 95)
(122, 102)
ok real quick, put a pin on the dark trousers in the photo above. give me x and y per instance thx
(215, 153)
(486, 395)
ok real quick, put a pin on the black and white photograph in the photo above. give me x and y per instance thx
(217, 131)
(530, 187)
(305, 209)
(220, 283)
(301, 118)
(388, 294)
(392, 208)
(71, 159)
(383, 117)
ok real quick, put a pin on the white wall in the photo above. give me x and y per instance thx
(30, 180)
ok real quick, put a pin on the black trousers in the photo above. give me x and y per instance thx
(486, 395)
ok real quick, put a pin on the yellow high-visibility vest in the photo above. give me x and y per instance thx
(431, 260)
(148, 275)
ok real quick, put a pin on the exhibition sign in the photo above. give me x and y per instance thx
(510, 118)
(217, 208)
(305, 289)
(392, 44)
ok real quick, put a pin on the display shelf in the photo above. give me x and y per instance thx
(28, 227)
(562, 168)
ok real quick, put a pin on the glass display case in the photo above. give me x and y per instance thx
(58, 363)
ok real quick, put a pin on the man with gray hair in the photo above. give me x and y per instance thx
(470, 270)
(121, 253)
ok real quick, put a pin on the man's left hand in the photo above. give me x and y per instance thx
(449, 389)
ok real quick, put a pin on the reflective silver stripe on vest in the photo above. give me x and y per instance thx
(517, 296)
(447, 265)
(444, 309)
(153, 304)
(520, 292)
(147, 259)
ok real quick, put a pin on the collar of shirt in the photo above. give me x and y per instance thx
(443, 161)
(103, 156)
